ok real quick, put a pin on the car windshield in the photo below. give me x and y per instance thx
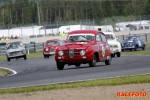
(14, 45)
(52, 43)
(110, 37)
(130, 38)
(81, 38)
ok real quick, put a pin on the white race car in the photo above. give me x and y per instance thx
(114, 43)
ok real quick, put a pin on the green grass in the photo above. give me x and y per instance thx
(148, 44)
(5, 72)
(100, 82)
(136, 52)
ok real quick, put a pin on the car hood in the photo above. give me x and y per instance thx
(112, 42)
(15, 49)
(51, 46)
(76, 45)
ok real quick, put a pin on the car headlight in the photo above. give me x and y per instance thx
(61, 53)
(24, 51)
(82, 52)
(122, 44)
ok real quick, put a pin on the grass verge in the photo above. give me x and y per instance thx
(4, 72)
(31, 55)
(136, 52)
(100, 82)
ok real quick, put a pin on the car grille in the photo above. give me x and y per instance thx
(15, 53)
(75, 53)
(114, 46)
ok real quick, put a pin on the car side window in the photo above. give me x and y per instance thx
(98, 38)
(103, 37)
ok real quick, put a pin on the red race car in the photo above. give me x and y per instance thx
(83, 46)
(50, 46)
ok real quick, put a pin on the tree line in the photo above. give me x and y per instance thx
(39, 11)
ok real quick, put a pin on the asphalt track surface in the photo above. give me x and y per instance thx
(40, 71)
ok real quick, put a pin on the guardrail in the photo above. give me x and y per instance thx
(38, 47)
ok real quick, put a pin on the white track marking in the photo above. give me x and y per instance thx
(13, 71)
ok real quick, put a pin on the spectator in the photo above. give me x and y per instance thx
(99, 29)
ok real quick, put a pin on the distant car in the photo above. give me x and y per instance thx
(32, 36)
(50, 46)
(133, 42)
(83, 46)
(114, 43)
(15, 50)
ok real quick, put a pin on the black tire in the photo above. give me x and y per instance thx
(143, 48)
(135, 49)
(45, 56)
(8, 59)
(60, 65)
(25, 57)
(130, 49)
(118, 54)
(92, 63)
(122, 50)
(77, 65)
(108, 62)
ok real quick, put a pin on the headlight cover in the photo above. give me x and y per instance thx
(82, 52)
(61, 53)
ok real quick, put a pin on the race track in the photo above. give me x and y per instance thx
(40, 71)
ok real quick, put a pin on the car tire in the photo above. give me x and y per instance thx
(135, 49)
(60, 65)
(108, 62)
(122, 50)
(45, 56)
(8, 59)
(77, 65)
(25, 57)
(130, 49)
(118, 54)
(143, 48)
(48, 56)
(92, 63)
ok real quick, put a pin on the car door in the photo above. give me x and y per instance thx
(104, 46)
(101, 47)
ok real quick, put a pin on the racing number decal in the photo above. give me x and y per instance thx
(139, 42)
(103, 51)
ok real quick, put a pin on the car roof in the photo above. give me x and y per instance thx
(84, 31)
(52, 40)
(133, 36)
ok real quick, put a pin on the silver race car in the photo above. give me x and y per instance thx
(15, 50)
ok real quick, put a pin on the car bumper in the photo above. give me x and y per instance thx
(49, 53)
(18, 56)
(127, 48)
(75, 59)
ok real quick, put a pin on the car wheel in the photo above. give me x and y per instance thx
(118, 54)
(135, 49)
(48, 56)
(45, 56)
(60, 65)
(25, 57)
(143, 48)
(108, 62)
(77, 65)
(122, 50)
(130, 49)
(8, 59)
(92, 63)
